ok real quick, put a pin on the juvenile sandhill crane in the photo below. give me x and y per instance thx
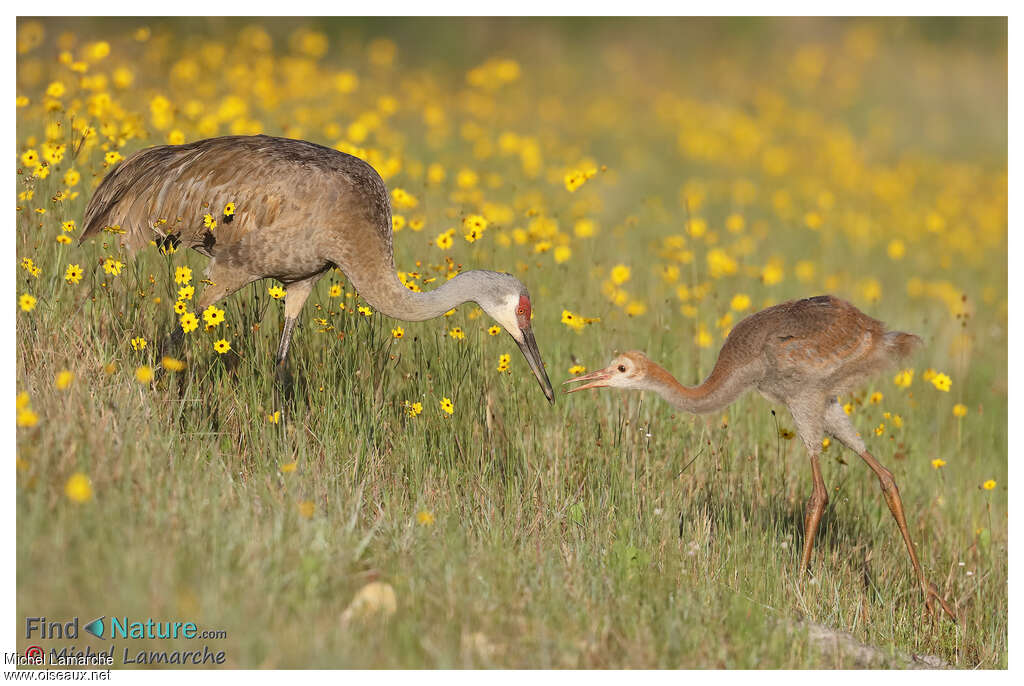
(802, 354)
(299, 209)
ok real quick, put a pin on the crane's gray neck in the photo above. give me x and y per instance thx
(399, 302)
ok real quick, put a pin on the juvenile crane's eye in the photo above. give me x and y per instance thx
(622, 367)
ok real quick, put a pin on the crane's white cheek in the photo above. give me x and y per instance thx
(506, 316)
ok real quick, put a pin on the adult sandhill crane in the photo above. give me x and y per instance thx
(299, 209)
(802, 354)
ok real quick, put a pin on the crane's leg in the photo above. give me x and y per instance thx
(839, 425)
(815, 509)
(294, 300)
(808, 413)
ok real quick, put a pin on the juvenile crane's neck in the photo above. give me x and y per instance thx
(399, 302)
(718, 390)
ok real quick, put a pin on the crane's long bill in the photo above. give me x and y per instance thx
(532, 354)
(597, 380)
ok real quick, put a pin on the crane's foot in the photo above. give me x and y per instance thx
(931, 594)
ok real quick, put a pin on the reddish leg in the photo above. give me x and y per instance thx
(892, 497)
(815, 509)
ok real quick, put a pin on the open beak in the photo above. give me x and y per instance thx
(532, 355)
(597, 380)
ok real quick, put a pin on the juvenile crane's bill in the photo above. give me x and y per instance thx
(597, 379)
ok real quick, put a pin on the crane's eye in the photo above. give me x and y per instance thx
(521, 310)
(622, 367)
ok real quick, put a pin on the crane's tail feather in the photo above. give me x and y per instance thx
(115, 203)
(901, 345)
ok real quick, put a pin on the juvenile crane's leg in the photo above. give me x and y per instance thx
(294, 300)
(839, 425)
(808, 415)
(815, 509)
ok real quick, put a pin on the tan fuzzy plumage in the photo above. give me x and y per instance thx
(803, 354)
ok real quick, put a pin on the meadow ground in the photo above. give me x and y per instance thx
(652, 182)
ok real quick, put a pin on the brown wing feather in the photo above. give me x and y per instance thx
(824, 342)
(168, 189)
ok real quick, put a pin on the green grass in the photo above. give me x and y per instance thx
(568, 538)
(603, 532)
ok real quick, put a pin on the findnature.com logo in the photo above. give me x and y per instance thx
(119, 627)
(115, 628)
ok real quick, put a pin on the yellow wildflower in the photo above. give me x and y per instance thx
(213, 316)
(620, 274)
(78, 488)
(444, 240)
(904, 378)
(475, 222)
(636, 308)
(942, 382)
(577, 177)
(63, 379)
(73, 274)
(189, 322)
(740, 302)
(172, 364)
(112, 266)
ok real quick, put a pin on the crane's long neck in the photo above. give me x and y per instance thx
(395, 300)
(719, 390)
